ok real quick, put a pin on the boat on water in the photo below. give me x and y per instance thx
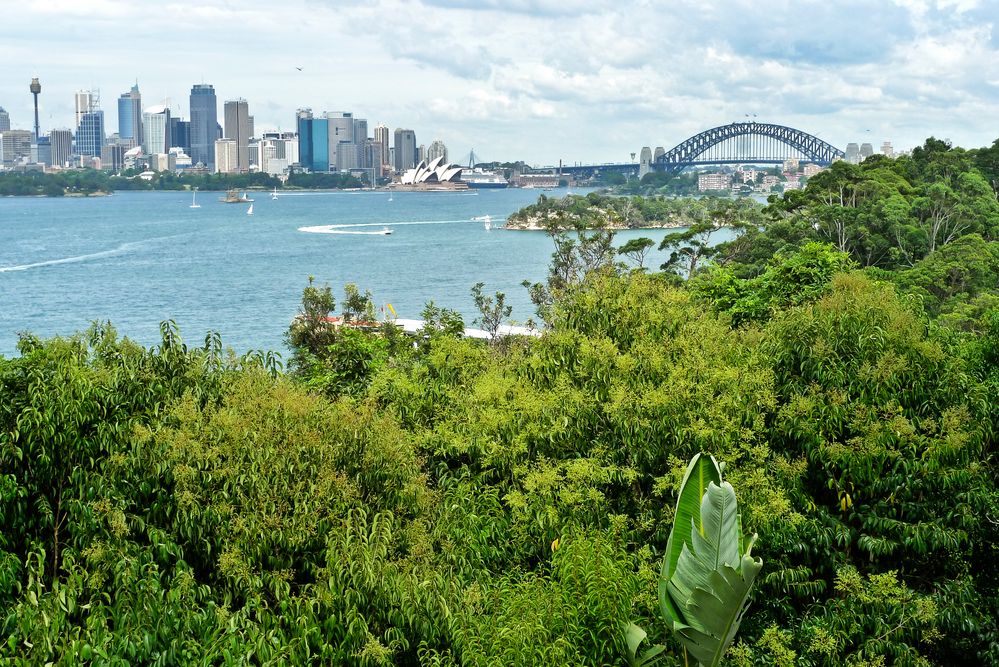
(480, 178)
(386, 231)
(249, 211)
(274, 194)
(194, 199)
(233, 197)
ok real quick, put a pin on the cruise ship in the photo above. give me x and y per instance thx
(479, 178)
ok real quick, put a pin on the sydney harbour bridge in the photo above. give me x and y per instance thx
(736, 143)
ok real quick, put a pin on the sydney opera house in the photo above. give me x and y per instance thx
(437, 175)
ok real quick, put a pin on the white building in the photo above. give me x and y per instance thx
(707, 182)
(226, 156)
(156, 130)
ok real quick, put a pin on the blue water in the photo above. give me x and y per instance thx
(139, 258)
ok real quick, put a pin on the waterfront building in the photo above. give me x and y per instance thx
(374, 151)
(4, 120)
(156, 126)
(180, 159)
(239, 128)
(163, 162)
(130, 117)
(61, 142)
(436, 150)
(360, 141)
(15, 146)
(381, 135)
(791, 165)
(90, 134)
(810, 169)
(405, 150)
(226, 159)
(180, 134)
(707, 182)
(204, 124)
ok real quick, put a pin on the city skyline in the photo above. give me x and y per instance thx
(578, 81)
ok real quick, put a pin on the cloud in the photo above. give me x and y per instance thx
(534, 79)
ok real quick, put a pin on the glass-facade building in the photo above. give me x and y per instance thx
(313, 142)
(180, 135)
(204, 124)
(130, 116)
(90, 135)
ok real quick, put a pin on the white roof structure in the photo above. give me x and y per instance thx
(437, 171)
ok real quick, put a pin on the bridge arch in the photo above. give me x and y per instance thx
(751, 142)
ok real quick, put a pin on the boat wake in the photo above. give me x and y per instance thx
(75, 259)
(69, 260)
(342, 229)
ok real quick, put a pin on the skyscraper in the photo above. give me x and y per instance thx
(156, 125)
(239, 128)
(4, 120)
(383, 138)
(62, 146)
(180, 135)
(83, 100)
(438, 149)
(405, 149)
(130, 117)
(313, 141)
(204, 124)
(90, 134)
(341, 140)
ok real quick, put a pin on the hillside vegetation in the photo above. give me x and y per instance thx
(386, 500)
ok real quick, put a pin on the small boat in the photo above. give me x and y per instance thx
(390, 197)
(249, 211)
(386, 231)
(274, 194)
(194, 199)
(233, 197)
(489, 225)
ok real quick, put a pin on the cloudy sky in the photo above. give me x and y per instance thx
(540, 80)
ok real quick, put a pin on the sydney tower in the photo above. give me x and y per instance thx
(35, 89)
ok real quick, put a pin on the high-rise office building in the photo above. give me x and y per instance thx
(239, 128)
(180, 134)
(62, 146)
(156, 127)
(342, 153)
(90, 134)
(84, 102)
(438, 149)
(130, 117)
(383, 137)
(4, 120)
(405, 149)
(313, 141)
(15, 145)
(226, 156)
(204, 124)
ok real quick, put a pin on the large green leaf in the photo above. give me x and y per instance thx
(712, 580)
(701, 471)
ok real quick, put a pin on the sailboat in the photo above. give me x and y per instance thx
(194, 199)
(274, 194)
(249, 211)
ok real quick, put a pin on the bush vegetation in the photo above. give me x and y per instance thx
(443, 501)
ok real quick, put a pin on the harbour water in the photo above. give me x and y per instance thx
(138, 258)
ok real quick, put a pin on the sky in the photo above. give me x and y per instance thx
(583, 81)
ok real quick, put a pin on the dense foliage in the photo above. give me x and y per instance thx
(443, 501)
(91, 181)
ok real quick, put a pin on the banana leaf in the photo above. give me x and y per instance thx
(712, 579)
(701, 471)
